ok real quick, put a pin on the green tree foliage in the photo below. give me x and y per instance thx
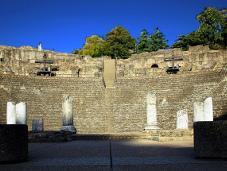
(153, 42)
(119, 43)
(212, 30)
(143, 42)
(158, 41)
(211, 26)
(191, 39)
(94, 46)
(224, 34)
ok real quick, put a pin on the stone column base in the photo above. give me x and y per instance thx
(69, 128)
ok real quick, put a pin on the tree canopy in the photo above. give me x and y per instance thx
(153, 42)
(212, 30)
(143, 42)
(94, 46)
(119, 43)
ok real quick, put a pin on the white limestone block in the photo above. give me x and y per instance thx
(203, 111)
(21, 117)
(182, 119)
(67, 110)
(151, 112)
(198, 111)
(11, 113)
(208, 109)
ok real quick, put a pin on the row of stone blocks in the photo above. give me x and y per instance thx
(210, 139)
(13, 143)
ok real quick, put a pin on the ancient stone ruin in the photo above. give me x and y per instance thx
(103, 95)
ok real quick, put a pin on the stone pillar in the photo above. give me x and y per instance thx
(67, 114)
(21, 113)
(208, 109)
(203, 111)
(151, 112)
(198, 111)
(109, 73)
(11, 113)
(182, 119)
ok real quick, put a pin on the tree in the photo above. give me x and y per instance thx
(212, 30)
(191, 39)
(143, 42)
(158, 41)
(119, 43)
(211, 26)
(94, 46)
(224, 34)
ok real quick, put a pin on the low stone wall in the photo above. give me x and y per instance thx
(13, 143)
(210, 139)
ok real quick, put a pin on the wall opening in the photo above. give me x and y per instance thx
(154, 66)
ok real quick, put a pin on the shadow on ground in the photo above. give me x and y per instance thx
(115, 155)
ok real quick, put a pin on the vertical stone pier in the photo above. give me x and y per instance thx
(11, 113)
(67, 114)
(203, 111)
(21, 113)
(151, 112)
(208, 109)
(182, 119)
(109, 74)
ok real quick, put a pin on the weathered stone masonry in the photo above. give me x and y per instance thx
(122, 107)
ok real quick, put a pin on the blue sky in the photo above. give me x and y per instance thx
(63, 25)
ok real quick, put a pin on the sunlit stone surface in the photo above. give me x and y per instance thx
(182, 119)
(151, 112)
(208, 109)
(67, 111)
(11, 113)
(21, 117)
(203, 111)
(198, 111)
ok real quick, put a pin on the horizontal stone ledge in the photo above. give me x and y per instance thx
(13, 143)
(210, 139)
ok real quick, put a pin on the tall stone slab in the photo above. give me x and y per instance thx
(182, 119)
(67, 114)
(109, 73)
(21, 114)
(208, 109)
(151, 112)
(203, 111)
(198, 111)
(11, 113)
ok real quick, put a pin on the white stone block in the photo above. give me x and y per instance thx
(11, 113)
(182, 119)
(21, 117)
(67, 114)
(203, 111)
(67, 110)
(208, 109)
(151, 112)
(198, 111)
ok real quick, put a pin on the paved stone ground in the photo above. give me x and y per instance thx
(115, 155)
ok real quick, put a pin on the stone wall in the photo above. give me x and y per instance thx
(21, 61)
(113, 110)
